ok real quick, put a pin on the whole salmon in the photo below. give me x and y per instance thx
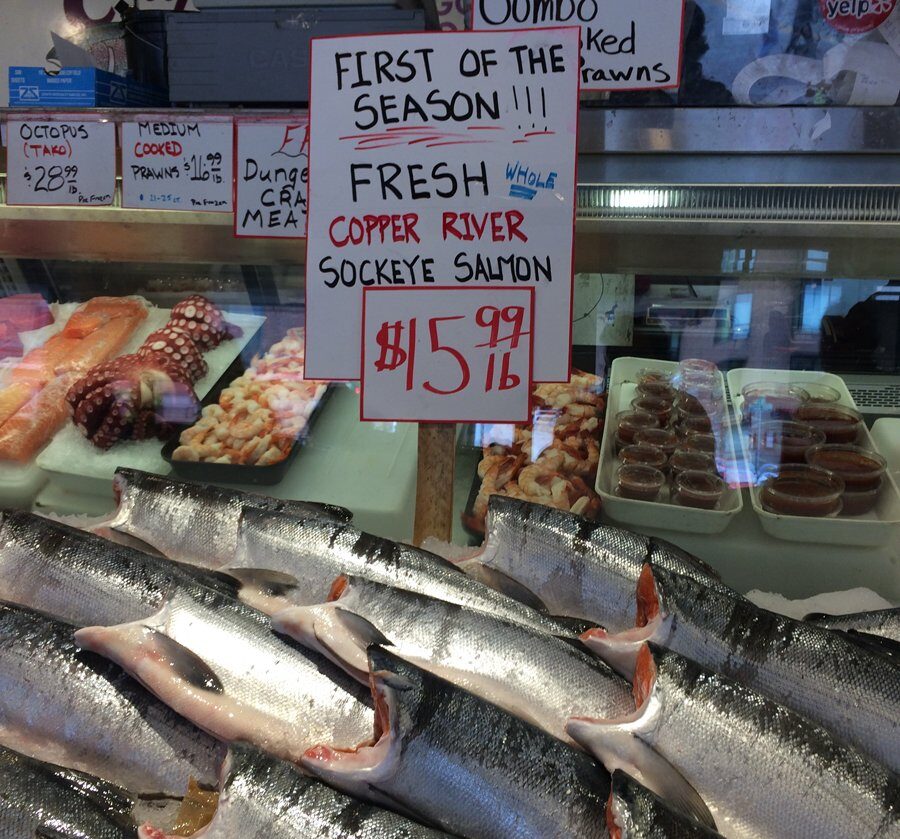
(765, 771)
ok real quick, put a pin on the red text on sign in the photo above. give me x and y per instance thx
(33, 150)
(171, 148)
(498, 226)
(395, 228)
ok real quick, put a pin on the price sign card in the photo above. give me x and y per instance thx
(625, 44)
(178, 164)
(447, 354)
(271, 176)
(441, 160)
(61, 162)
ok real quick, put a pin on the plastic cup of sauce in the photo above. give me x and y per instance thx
(861, 470)
(694, 488)
(693, 424)
(700, 442)
(684, 461)
(772, 399)
(657, 389)
(690, 406)
(644, 455)
(785, 442)
(839, 423)
(639, 482)
(801, 490)
(651, 374)
(629, 422)
(690, 366)
(663, 438)
(658, 406)
(821, 393)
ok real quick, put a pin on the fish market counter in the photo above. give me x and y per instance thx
(369, 467)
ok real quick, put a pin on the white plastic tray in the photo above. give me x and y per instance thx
(622, 388)
(71, 459)
(871, 529)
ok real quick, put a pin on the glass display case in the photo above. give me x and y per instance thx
(764, 242)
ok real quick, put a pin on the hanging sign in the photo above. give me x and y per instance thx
(633, 45)
(271, 174)
(441, 160)
(56, 161)
(447, 354)
(177, 164)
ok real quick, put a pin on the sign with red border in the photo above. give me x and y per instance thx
(61, 161)
(633, 45)
(447, 354)
(441, 160)
(271, 174)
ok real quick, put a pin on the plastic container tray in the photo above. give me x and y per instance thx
(236, 473)
(622, 388)
(870, 529)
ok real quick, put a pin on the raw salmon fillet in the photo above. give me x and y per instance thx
(23, 436)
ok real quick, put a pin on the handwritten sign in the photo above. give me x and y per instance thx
(271, 177)
(177, 165)
(56, 162)
(633, 45)
(447, 354)
(441, 160)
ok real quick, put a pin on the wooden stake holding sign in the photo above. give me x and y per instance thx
(441, 227)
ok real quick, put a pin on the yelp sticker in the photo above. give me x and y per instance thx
(855, 16)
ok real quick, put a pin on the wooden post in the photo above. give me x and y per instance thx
(434, 481)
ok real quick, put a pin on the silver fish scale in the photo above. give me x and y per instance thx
(317, 552)
(194, 523)
(816, 672)
(540, 677)
(36, 795)
(477, 771)
(82, 578)
(578, 568)
(265, 798)
(766, 772)
(640, 814)
(313, 699)
(884, 623)
(70, 707)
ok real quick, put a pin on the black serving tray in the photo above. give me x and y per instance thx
(235, 473)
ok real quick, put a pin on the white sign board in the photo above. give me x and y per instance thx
(271, 176)
(441, 159)
(61, 162)
(625, 44)
(447, 354)
(177, 164)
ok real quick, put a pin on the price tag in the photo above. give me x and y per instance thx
(55, 161)
(633, 45)
(447, 354)
(178, 164)
(271, 177)
(441, 160)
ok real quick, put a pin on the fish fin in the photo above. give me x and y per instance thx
(503, 583)
(114, 642)
(266, 581)
(620, 749)
(340, 635)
